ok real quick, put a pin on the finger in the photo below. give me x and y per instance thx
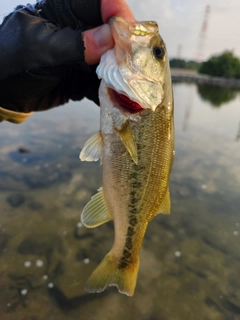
(111, 8)
(97, 41)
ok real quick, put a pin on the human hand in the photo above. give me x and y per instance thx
(98, 40)
(48, 52)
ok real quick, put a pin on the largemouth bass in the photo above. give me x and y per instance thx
(135, 145)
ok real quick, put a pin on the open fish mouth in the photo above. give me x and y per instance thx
(120, 92)
(123, 103)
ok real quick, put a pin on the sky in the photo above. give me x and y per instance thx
(180, 24)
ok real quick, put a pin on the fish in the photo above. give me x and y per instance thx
(135, 145)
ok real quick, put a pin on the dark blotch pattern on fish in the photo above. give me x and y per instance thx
(133, 210)
(127, 255)
(129, 244)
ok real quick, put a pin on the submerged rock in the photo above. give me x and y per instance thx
(37, 244)
(35, 205)
(4, 242)
(15, 200)
(23, 150)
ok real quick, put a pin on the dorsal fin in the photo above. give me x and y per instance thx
(165, 206)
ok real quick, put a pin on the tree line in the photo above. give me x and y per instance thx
(183, 64)
(225, 64)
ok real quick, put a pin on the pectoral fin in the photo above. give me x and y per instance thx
(92, 150)
(128, 140)
(95, 212)
(166, 204)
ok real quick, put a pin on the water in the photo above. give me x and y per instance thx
(190, 260)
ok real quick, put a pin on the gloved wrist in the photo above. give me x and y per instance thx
(71, 13)
(42, 56)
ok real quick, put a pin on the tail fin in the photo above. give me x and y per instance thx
(109, 273)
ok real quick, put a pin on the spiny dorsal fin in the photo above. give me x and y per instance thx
(95, 212)
(128, 140)
(92, 150)
(166, 204)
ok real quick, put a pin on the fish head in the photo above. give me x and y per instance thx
(137, 68)
(139, 47)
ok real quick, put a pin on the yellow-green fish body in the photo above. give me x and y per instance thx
(135, 144)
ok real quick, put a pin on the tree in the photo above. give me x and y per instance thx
(177, 63)
(223, 65)
(184, 64)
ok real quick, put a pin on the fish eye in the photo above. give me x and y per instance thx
(159, 52)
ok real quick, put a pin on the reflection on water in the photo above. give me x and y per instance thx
(217, 95)
(190, 260)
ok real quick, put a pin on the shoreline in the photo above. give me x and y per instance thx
(184, 75)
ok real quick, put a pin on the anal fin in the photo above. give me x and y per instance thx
(95, 212)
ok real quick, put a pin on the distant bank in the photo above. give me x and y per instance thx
(184, 75)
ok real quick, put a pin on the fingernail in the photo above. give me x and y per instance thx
(102, 36)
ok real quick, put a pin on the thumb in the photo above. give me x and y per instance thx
(97, 41)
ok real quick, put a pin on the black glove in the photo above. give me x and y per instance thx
(42, 55)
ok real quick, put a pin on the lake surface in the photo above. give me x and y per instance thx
(190, 260)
